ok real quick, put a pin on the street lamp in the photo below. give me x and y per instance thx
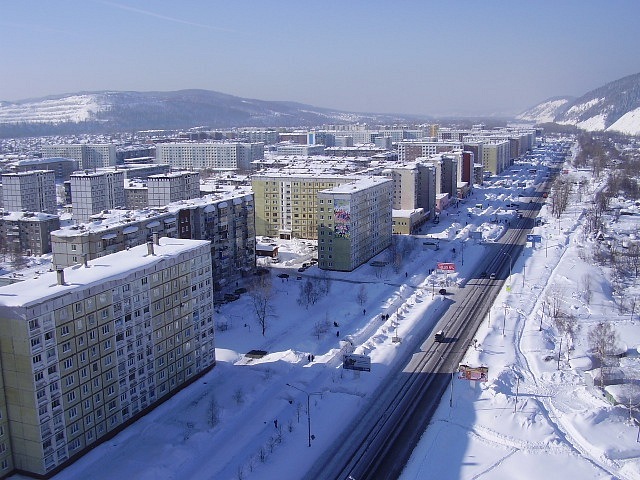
(510, 262)
(308, 406)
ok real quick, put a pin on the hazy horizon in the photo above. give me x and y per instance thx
(463, 58)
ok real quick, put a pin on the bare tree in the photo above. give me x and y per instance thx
(324, 283)
(602, 339)
(554, 300)
(309, 293)
(361, 296)
(261, 294)
(567, 326)
(214, 412)
(587, 288)
(238, 396)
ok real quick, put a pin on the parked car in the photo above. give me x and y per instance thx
(439, 336)
(239, 291)
(442, 291)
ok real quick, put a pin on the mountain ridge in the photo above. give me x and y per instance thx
(613, 107)
(132, 110)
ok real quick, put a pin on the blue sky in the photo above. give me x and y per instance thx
(426, 57)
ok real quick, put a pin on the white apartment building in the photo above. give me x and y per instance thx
(89, 155)
(33, 191)
(354, 222)
(172, 187)
(85, 351)
(91, 193)
(210, 155)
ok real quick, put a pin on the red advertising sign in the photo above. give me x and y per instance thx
(465, 372)
(447, 266)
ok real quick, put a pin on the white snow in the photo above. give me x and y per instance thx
(544, 112)
(74, 108)
(222, 426)
(577, 110)
(629, 123)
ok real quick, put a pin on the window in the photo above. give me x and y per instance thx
(71, 396)
(66, 347)
(68, 363)
(36, 359)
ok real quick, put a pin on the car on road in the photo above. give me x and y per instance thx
(442, 291)
(439, 336)
(283, 275)
(483, 275)
(492, 276)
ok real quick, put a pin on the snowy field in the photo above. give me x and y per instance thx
(224, 425)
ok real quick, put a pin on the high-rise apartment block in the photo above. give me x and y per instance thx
(226, 220)
(287, 204)
(91, 193)
(87, 350)
(89, 155)
(27, 233)
(29, 191)
(210, 155)
(354, 222)
(172, 187)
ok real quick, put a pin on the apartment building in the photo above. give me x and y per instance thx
(226, 220)
(286, 203)
(172, 187)
(355, 222)
(94, 192)
(88, 350)
(27, 233)
(29, 191)
(409, 150)
(89, 155)
(62, 167)
(299, 150)
(210, 155)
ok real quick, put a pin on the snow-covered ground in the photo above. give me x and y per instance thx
(223, 426)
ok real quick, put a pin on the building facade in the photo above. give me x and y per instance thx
(89, 155)
(33, 191)
(210, 155)
(227, 221)
(287, 205)
(62, 167)
(27, 233)
(355, 223)
(86, 351)
(172, 187)
(92, 193)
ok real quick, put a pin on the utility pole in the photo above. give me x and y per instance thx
(559, 352)
(515, 405)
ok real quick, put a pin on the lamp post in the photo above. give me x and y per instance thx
(308, 406)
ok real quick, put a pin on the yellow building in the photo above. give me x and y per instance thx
(286, 204)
